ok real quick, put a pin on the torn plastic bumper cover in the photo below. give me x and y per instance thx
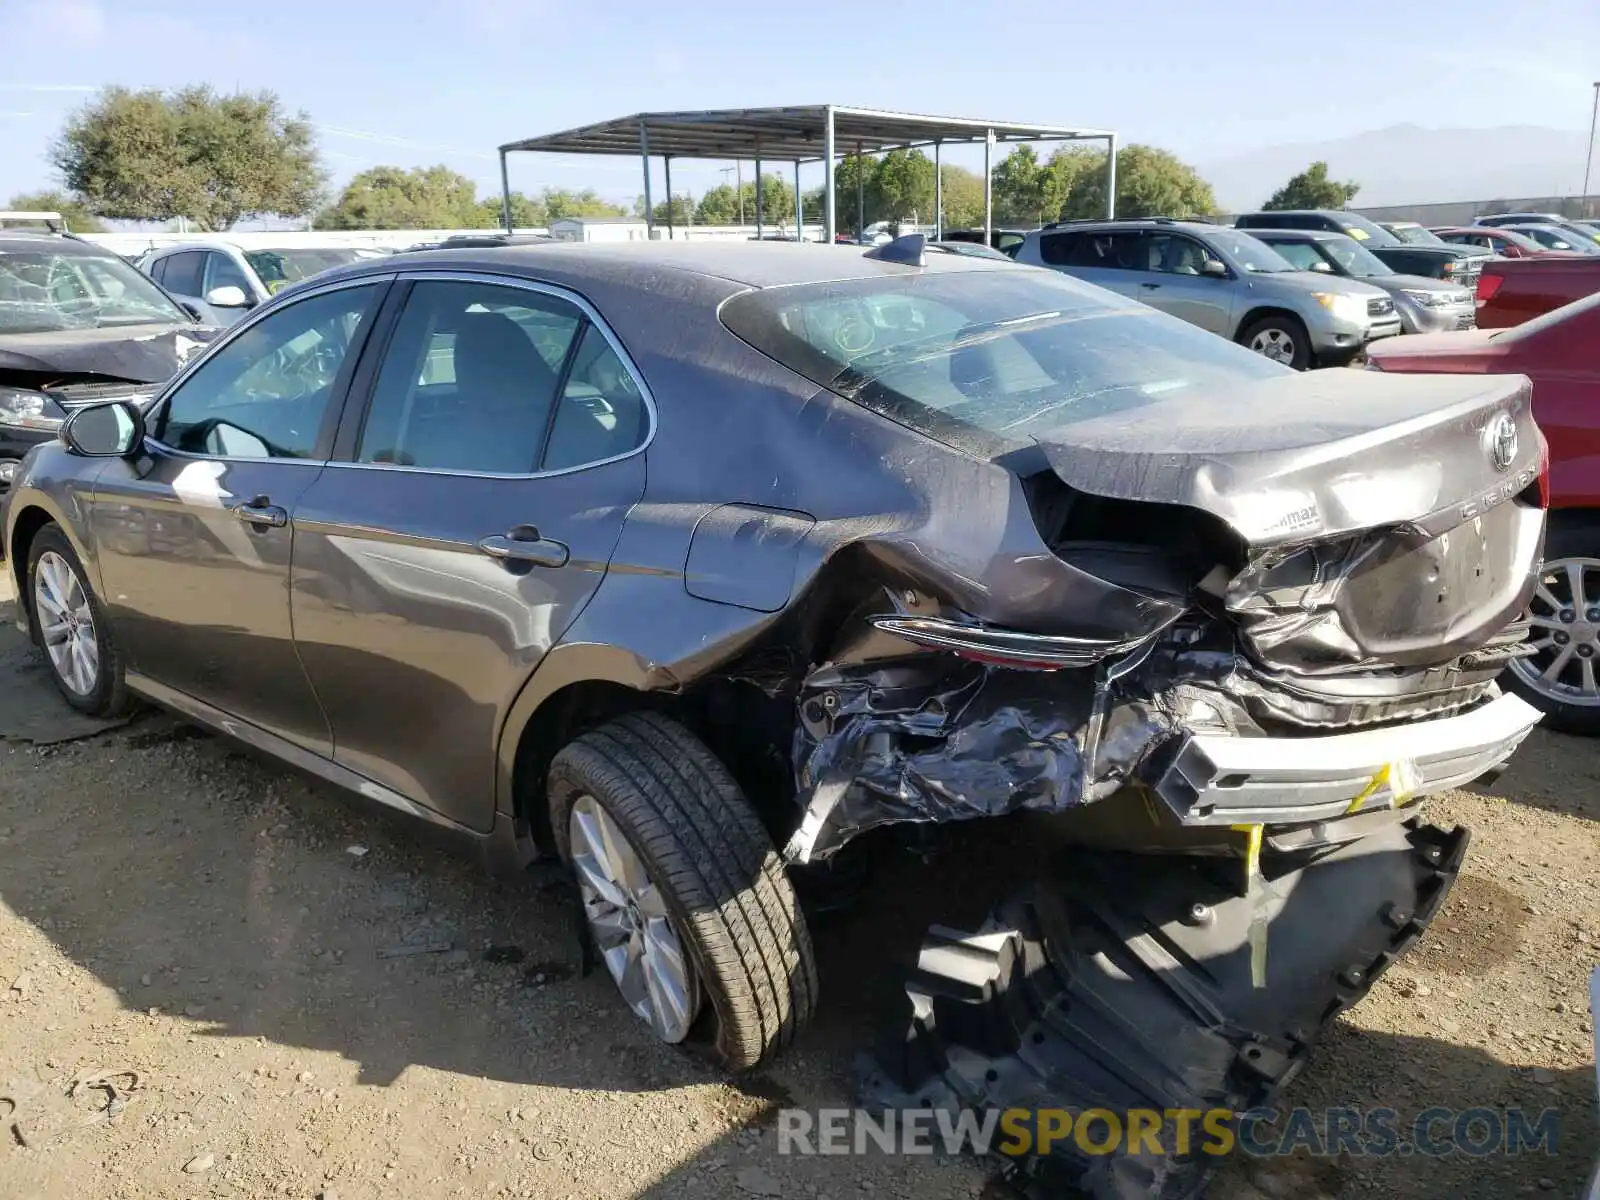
(933, 738)
(1130, 982)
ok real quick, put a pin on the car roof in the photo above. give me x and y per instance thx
(1299, 235)
(1302, 212)
(752, 264)
(197, 244)
(59, 243)
(1128, 223)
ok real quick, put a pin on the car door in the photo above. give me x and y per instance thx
(486, 485)
(195, 538)
(1177, 282)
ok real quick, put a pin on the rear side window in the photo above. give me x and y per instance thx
(985, 361)
(1056, 248)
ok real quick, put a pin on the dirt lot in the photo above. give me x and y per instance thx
(171, 907)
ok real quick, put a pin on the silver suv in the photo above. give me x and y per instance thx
(1223, 280)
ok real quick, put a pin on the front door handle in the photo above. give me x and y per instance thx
(1150, 286)
(262, 513)
(524, 545)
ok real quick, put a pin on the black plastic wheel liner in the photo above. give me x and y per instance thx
(1128, 982)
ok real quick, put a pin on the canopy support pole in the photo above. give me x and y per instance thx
(799, 206)
(829, 229)
(666, 160)
(988, 188)
(760, 203)
(938, 194)
(1111, 177)
(505, 194)
(861, 194)
(644, 158)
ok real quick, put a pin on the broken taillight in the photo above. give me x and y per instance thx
(1488, 285)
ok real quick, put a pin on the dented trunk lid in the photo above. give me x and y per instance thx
(1388, 521)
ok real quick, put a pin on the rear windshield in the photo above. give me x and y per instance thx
(988, 360)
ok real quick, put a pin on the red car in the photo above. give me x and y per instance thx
(1507, 243)
(1557, 352)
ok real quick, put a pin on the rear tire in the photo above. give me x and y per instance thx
(1280, 338)
(707, 856)
(1569, 696)
(71, 628)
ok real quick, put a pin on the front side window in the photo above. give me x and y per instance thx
(1302, 256)
(184, 272)
(1174, 254)
(988, 361)
(47, 291)
(267, 392)
(494, 380)
(222, 271)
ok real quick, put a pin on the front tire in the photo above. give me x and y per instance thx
(1563, 679)
(1280, 338)
(686, 900)
(71, 628)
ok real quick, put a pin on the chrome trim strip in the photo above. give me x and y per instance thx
(1217, 779)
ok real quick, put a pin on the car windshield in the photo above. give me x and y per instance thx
(1367, 232)
(989, 360)
(44, 290)
(1248, 253)
(279, 268)
(1416, 235)
(1553, 238)
(1354, 258)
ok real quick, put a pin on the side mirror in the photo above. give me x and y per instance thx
(1215, 268)
(1323, 267)
(227, 296)
(112, 430)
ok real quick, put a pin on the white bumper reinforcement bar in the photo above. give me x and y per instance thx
(1215, 779)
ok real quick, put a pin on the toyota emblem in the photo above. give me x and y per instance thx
(1501, 439)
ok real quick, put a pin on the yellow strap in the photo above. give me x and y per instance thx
(1366, 793)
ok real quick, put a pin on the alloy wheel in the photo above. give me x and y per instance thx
(630, 924)
(1276, 344)
(66, 623)
(1565, 616)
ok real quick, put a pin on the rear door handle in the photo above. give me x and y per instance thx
(523, 544)
(1150, 286)
(262, 513)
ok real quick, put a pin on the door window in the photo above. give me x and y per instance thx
(222, 271)
(1302, 256)
(182, 272)
(497, 380)
(266, 393)
(1174, 254)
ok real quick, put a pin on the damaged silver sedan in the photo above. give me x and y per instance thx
(701, 568)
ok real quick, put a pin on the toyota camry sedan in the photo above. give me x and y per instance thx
(704, 571)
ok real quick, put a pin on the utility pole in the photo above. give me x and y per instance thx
(1594, 111)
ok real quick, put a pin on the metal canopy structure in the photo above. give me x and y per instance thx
(803, 134)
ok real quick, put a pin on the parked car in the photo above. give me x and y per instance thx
(78, 325)
(1221, 280)
(651, 559)
(1556, 352)
(494, 237)
(1004, 240)
(224, 281)
(1578, 228)
(1511, 292)
(1413, 233)
(1503, 243)
(1453, 263)
(1424, 305)
(1557, 237)
(971, 249)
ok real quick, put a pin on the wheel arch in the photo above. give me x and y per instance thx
(32, 515)
(1261, 312)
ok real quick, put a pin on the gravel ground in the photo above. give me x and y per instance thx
(171, 907)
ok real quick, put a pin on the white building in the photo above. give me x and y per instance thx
(599, 229)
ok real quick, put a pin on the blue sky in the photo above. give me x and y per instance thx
(416, 82)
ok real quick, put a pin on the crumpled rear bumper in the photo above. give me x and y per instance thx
(1217, 779)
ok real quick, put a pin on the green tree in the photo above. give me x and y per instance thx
(1150, 183)
(1024, 189)
(901, 187)
(79, 219)
(851, 171)
(963, 197)
(681, 210)
(1313, 189)
(562, 202)
(421, 198)
(719, 206)
(526, 212)
(152, 156)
